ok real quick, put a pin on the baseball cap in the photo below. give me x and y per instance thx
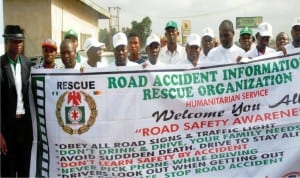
(90, 42)
(71, 33)
(207, 32)
(265, 29)
(171, 24)
(152, 38)
(49, 43)
(246, 30)
(119, 39)
(194, 39)
(296, 22)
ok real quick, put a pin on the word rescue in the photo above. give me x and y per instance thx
(75, 85)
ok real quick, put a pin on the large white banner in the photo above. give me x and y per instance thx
(239, 120)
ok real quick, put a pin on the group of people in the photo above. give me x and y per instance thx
(200, 50)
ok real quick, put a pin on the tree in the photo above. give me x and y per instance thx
(105, 36)
(142, 28)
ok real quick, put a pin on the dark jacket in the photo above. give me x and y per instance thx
(9, 95)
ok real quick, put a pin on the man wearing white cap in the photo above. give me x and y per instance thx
(207, 43)
(120, 50)
(263, 36)
(193, 50)
(152, 50)
(295, 32)
(93, 50)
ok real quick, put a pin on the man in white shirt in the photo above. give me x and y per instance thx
(207, 43)
(172, 53)
(295, 32)
(94, 51)
(68, 55)
(227, 52)
(120, 51)
(193, 50)
(263, 36)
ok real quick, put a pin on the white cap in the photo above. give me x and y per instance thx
(119, 39)
(152, 38)
(194, 39)
(265, 29)
(207, 32)
(90, 42)
(296, 22)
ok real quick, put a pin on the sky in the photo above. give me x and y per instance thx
(203, 13)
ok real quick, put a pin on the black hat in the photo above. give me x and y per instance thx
(13, 32)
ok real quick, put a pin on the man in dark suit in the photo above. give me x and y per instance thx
(16, 126)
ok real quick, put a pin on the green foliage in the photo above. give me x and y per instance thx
(142, 28)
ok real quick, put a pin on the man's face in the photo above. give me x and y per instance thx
(15, 46)
(153, 51)
(193, 53)
(245, 41)
(74, 40)
(296, 33)
(172, 35)
(263, 41)
(226, 37)
(95, 53)
(134, 45)
(49, 54)
(281, 40)
(207, 43)
(120, 53)
(68, 55)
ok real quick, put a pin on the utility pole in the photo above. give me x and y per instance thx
(114, 18)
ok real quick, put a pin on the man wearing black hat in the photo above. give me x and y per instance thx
(16, 126)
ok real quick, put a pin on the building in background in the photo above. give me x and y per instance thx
(42, 19)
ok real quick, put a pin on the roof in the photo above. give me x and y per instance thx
(102, 12)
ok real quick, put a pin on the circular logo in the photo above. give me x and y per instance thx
(79, 114)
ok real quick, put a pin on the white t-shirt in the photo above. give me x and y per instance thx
(87, 66)
(158, 63)
(77, 66)
(290, 46)
(129, 63)
(177, 57)
(254, 52)
(203, 59)
(221, 55)
(188, 63)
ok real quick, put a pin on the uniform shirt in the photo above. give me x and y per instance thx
(203, 59)
(41, 66)
(139, 61)
(129, 63)
(87, 66)
(76, 67)
(177, 57)
(16, 69)
(255, 53)
(221, 55)
(158, 63)
(188, 63)
(290, 46)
